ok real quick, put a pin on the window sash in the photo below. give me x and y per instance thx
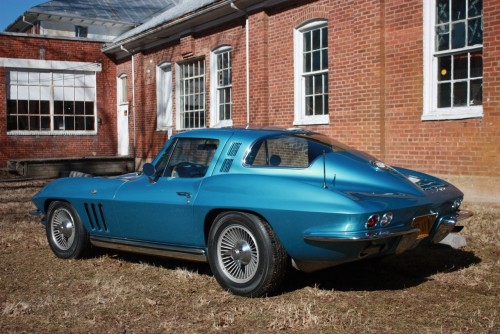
(453, 70)
(192, 95)
(50, 102)
(311, 74)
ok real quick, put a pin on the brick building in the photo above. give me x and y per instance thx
(414, 83)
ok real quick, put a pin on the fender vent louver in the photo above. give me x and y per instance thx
(233, 149)
(226, 165)
(95, 215)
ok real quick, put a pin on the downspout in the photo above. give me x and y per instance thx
(247, 60)
(133, 99)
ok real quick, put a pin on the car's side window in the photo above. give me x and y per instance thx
(190, 157)
(280, 151)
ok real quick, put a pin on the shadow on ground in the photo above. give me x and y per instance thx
(390, 273)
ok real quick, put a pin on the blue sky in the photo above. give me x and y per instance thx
(12, 9)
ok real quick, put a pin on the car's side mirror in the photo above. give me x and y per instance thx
(149, 170)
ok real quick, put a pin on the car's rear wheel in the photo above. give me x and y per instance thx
(66, 234)
(245, 255)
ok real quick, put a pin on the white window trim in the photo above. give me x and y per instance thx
(178, 120)
(430, 110)
(214, 119)
(160, 94)
(299, 106)
(70, 66)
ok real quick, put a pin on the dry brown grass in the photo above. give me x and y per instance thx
(436, 290)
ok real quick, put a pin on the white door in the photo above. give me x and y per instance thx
(122, 116)
(122, 121)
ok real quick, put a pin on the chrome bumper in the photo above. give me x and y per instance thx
(448, 224)
(361, 236)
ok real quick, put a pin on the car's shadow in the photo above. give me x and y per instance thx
(406, 270)
(389, 273)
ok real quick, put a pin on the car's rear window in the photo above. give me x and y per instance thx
(293, 151)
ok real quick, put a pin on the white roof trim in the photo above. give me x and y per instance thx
(50, 64)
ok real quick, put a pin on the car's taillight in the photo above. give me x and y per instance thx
(372, 221)
(386, 219)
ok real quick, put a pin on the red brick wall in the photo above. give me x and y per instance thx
(375, 83)
(102, 144)
(454, 147)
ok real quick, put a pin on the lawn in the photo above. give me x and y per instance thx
(427, 290)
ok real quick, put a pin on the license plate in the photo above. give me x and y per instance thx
(424, 224)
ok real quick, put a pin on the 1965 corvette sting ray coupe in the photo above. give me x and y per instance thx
(250, 202)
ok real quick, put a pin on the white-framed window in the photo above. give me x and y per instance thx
(164, 96)
(221, 85)
(190, 93)
(51, 102)
(311, 73)
(453, 59)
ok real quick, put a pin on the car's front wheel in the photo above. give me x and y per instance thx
(245, 255)
(66, 234)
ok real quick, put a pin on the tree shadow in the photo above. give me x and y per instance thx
(409, 269)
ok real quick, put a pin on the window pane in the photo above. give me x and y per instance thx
(324, 60)
(316, 60)
(316, 39)
(79, 108)
(475, 31)
(34, 108)
(324, 35)
(444, 66)
(458, 35)
(309, 84)
(442, 38)
(460, 63)
(442, 11)
(457, 10)
(307, 62)
(318, 107)
(44, 107)
(34, 123)
(309, 105)
(11, 107)
(475, 7)
(89, 123)
(307, 41)
(476, 92)
(459, 94)
(22, 107)
(45, 123)
(476, 64)
(23, 123)
(444, 95)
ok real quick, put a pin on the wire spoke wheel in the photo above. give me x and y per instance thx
(63, 229)
(245, 255)
(65, 232)
(238, 253)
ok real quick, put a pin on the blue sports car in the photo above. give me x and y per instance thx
(250, 202)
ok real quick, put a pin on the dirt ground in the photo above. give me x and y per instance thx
(431, 290)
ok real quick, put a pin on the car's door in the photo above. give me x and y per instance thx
(161, 209)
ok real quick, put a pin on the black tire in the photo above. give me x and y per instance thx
(245, 255)
(66, 234)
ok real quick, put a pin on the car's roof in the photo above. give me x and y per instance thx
(240, 132)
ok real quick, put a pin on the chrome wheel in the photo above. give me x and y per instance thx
(238, 253)
(65, 232)
(245, 255)
(62, 229)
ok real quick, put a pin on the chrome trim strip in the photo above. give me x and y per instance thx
(361, 236)
(191, 254)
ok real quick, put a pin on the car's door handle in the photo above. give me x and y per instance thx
(184, 193)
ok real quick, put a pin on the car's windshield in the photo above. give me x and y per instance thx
(297, 150)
